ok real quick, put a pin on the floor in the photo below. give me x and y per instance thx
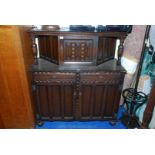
(83, 125)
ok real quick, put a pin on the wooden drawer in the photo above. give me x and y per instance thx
(101, 77)
(53, 76)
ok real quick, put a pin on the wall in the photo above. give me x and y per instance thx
(133, 48)
(134, 42)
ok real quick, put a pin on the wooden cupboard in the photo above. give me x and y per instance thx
(75, 75)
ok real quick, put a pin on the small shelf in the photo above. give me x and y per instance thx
(44, 65)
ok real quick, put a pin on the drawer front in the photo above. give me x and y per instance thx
(53, 77)
(102, 77)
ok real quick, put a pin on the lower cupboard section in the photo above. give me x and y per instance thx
(61, 101)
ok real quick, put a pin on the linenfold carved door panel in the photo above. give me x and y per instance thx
(54, 96)
(99, 96)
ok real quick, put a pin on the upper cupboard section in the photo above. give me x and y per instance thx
(84, 48)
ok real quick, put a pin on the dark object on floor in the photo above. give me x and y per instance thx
(130, 121)
(133, 100)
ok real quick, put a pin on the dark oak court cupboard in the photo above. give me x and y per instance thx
(75, 75)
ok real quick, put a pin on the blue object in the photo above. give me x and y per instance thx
(84, 125)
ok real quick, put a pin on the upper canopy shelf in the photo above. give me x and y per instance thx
(64, 46)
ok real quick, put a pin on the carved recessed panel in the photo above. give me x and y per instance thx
(78, 50)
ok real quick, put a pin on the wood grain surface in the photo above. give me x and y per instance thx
(15, 58)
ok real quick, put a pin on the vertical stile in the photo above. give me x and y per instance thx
(62, 99)
(104, 100)
(49, 101)
(38, 101)
(92, 100)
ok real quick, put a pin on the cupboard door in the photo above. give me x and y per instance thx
(54, 98)
(78, 49)
(99, 99)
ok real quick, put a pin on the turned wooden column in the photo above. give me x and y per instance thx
(34, 49)
(120, 50)
(149, 108)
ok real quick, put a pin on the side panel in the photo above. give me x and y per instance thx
(48, 48)
(106, 49)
